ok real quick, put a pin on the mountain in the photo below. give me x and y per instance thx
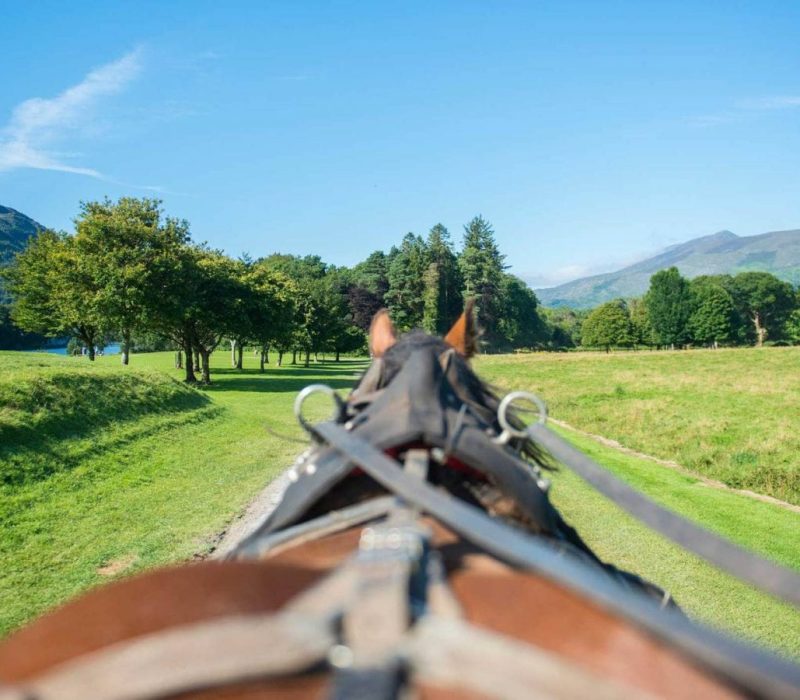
(777, 252)
(15, 230)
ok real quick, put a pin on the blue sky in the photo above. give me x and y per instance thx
(590, 134)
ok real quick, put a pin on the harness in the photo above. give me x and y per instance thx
(386, 616)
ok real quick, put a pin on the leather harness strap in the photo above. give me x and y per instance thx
(751, 668)
(724, 554)
(187, 658)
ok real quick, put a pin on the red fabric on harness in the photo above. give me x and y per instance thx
(451, 463)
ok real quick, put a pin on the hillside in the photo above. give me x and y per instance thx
(15, 230)
(777, 252)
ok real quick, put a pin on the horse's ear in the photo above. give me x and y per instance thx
(381, 333)
(463, 336)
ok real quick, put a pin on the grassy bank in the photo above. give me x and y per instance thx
(147, 471)
(108, 470)
(733, 415)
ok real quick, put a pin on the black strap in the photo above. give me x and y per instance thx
(753, 669)
(747, 566)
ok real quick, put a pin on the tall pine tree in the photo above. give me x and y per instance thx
(443, 301)
(481, 266)
(406, 296)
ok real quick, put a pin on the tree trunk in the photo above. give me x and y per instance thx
(266, 354)
(190, 376)
(262, 359)
(90, 349)
(337, 355)
(204, 355)
(280, 357)
(308, 356)
(233, 353)
(761, 332)
(239, 358)
(294, 357)
(196, 360)
(179, 359)
(126, 348)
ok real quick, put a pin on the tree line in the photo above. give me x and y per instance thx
(750, 308)
(131, 273)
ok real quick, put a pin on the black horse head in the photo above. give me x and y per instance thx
(422, 387)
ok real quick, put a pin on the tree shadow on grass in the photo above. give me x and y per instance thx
(287, 379)
(267, 384)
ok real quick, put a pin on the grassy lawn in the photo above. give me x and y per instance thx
(107, 470)
(733, 415)
(141, 472)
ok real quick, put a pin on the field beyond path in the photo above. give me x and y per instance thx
(732, 415)
(108, 470)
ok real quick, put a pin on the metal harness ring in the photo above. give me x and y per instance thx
(509, 431)
(306, 393)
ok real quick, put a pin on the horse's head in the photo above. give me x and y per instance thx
(423, 387)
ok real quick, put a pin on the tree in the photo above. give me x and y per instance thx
(363, 304)
(13, 338)
(442, 302)
(177, 276)
(609, 325)
(520, 324)
(406, 296)
(668, 307)
(55, 290)
(792, 328)
(373, 274)
(320, 304)
(765, 300)
(241, 310)
(640, 322)
(711, 320)
(118, 245)
(219, 289)
(271, 310)
(564, 326)
(481, 266)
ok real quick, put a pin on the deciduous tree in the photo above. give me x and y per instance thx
(711, 320)
(56, 291)
(668, 307)
(609, 325)
(520, 325)
(765, 300)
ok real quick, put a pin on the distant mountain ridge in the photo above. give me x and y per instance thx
(777, 252)
(15, 230)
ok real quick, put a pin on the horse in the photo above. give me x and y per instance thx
(415, 553)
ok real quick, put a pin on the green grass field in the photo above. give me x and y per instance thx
(107, 470)
(732, 415)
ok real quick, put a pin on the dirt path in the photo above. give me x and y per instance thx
(258, 509)
(713, 483)
(266, 501)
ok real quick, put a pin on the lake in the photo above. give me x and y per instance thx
(112, 349)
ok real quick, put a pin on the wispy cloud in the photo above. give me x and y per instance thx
(37, 124)
(745, 109)
(771, 103)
